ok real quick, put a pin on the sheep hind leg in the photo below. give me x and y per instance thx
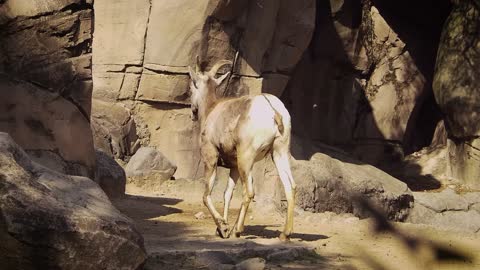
(283, 167)
(245, 165)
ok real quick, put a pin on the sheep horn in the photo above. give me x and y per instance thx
(197, 65)
(217, 66)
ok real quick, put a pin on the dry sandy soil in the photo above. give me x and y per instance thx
(176, 239)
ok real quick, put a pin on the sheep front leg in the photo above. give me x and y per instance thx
(222, 226)
(210, 157)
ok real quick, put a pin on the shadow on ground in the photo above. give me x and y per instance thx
(261, 231)
(141, 207)
(174, 239)
(146, 213)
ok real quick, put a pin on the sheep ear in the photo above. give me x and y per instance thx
(220, 79)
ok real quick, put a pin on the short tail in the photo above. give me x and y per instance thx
(279, 121)
(278, 117)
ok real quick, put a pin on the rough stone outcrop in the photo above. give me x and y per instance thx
(149, 76)
(53, 221)
(456, 87)
(46, 125)
(114, 130)
(328, 184)
(47, 43)
(447, 209)
(330, 180)
(360, 85)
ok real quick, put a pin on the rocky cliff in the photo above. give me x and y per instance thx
(374, 82)
(364, 76)
(142, 50)
(357, 75)
(46, 81)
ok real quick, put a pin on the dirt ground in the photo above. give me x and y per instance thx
(174, 238)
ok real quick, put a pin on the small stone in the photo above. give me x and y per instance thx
(251, 264)
(200, 215)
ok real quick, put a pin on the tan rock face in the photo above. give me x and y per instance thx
(457, 90)
(174, 134)
(120, 32)
(47, 125)
(56, 221)
(172, 38)
(149, 74)
(13, 9)
(47, 87)
(394, 86)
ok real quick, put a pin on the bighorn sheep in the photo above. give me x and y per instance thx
(235, 133)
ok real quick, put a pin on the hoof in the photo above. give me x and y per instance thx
(284, 238)
(238, 234)
(223, 232)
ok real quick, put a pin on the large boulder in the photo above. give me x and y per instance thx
(327, 183)
(109, 175)
(456, 87)
(149, 167)
(54, 221)
(48, 45)
(331, 180)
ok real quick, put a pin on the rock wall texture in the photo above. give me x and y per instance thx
(457, 90)
(365, 78)
(447, 209)
(357, 75)
(142, 50)
(46, 82)
(51, 220)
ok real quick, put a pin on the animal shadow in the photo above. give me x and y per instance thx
(261, 231)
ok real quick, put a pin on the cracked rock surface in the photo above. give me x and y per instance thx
(51, 220)
(46, 82)
(447, 209)
(148, 75)
(457, 89)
